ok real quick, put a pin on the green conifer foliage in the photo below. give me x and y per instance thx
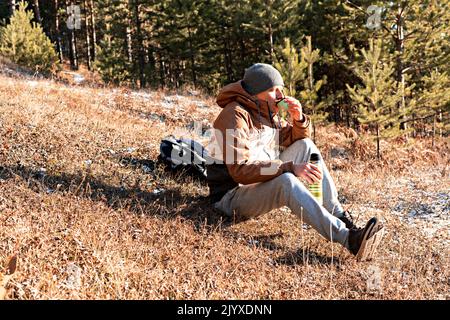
(26, 44)
(112, 61)
(434, 102)
(291, 66)
(310, 94)
(377, 97)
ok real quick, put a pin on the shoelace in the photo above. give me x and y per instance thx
(348, 215)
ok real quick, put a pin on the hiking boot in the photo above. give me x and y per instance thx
(363, 242)
(348, 220)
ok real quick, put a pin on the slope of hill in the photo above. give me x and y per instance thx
(89, 215)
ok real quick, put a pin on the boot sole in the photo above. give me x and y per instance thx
(369, 246)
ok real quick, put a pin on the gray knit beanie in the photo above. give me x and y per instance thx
(260, 77)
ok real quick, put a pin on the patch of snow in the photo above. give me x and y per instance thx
(339, 153)
(158, 191)
(32, 83)
(193, 93)
(167, 105)
(144, 95)
(200, 104)
(157, 117)
(429, 211)
(78, 78)
(73, 281)
(88, 163)
(146, 169)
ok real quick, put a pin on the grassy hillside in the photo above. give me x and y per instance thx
(88, 214)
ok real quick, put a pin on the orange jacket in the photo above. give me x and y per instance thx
(248, 129)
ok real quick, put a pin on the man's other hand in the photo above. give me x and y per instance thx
(308, 171)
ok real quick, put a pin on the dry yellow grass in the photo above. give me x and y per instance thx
(87, 220)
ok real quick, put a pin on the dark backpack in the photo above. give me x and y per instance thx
(185, 155)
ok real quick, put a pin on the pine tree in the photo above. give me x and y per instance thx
(111, 61)
(416, 35)
(93, 29)
(378, 96)
(70, 16)
(334, 31)
(291, 66)
(136, 8)
(310, 94)
(276, 18)
(434, 102)
(25, 43)
(210, 43)
(177, 33)
(87, 35)
(297, 68)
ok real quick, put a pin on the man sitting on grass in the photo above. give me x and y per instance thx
(250, 177)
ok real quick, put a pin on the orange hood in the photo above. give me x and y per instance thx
(234, 92)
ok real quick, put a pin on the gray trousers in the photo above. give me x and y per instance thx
(249, 201)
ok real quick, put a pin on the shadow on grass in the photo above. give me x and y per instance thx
(259, 241)
(288, 258)
(166, 205)
(306, 257)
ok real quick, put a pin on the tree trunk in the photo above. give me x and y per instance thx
(72, 43)
(434, 131)
(58, 35)
(400, 44)
(227, 55)
(347, 111)
(94, 34)
(269, 4)
(242, 49)
(73, 51)
(88, 38)
(311, 88)
(12, 6)
(314, 131)
(75, 41)
(151, 58)
(161, 70)
(378, 142)
(191, 49)
(311, 102)
(228, 66)
(140, 44)
(129, 44)
(37, 11)
(178, 75)
(271, 42)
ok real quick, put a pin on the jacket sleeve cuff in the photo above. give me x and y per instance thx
(303, 122)
(287, 166)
